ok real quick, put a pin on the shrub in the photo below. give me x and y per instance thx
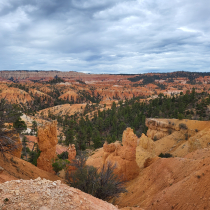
(34, 155)
(180, 116)
(63, 155)
(155, 138)
(186, 136)
(183, 126)
(59, 164)
(166, 155)
(103, 185)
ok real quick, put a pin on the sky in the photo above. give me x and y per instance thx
(105, 36)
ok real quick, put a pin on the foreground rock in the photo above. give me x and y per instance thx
(47, 195)
(47, 140)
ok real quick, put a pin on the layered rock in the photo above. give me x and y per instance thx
(158, 128)
(123, 156)
(178, 137)
(47, 140)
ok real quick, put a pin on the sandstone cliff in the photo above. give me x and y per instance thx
(47, 140)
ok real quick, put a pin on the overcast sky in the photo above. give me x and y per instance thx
(105, 36)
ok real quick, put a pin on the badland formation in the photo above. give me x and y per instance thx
(153, 128)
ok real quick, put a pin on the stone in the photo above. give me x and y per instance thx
(144, 150)
(123, 156)
(47, 140)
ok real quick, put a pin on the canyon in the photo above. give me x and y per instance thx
(152, 181)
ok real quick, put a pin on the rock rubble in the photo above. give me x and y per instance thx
(42, 194)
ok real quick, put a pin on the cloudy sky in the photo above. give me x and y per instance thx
(105, 36)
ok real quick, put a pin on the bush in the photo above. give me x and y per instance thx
(180, 116)
(59, 164)
(34, 155)
(63, 155)
(103, 185)
(166, 155)
(183, 126)
(155, 138)
(186, 136)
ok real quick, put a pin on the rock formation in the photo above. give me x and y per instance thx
(47, 140)
(123, 156)
(144, 150)
(158, 128)
(47, 195)
(178, 137)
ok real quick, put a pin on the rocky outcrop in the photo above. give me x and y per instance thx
(178, 137)
(158, 128)
(47, 195)
(47, 140)
(144, 150)
(123, 156)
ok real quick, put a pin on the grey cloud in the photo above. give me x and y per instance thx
(107, 36)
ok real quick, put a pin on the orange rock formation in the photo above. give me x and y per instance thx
(47, 140)
(123, 156)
